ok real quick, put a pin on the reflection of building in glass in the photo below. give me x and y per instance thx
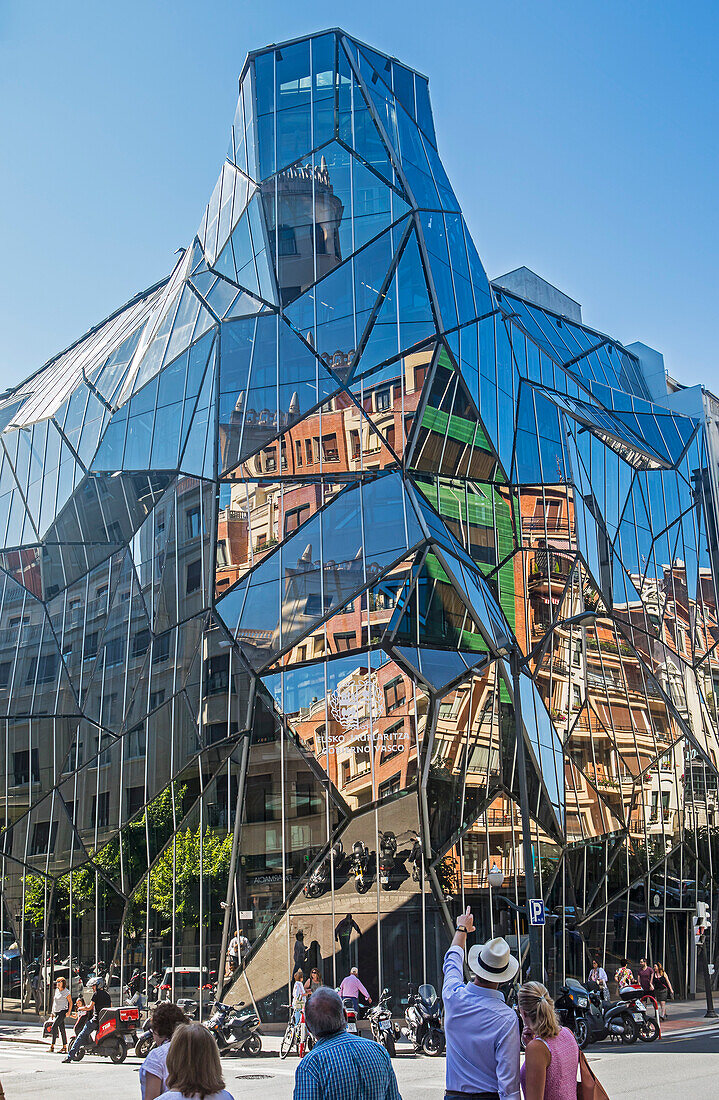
(268, 535)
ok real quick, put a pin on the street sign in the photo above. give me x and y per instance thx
(245, 914)
(536, 911)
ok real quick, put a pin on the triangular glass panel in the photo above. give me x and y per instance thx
(269, 379)
(245, 259)
(335, 313)
(357, 127)
(405, 317)
(309, 587)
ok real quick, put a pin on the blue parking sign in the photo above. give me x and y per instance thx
(536, 911)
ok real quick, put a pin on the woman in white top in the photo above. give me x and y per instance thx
(298, 995)
(193, 1066)
(153, 1072)
(61, 1005)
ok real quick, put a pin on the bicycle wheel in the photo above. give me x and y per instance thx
(288, 1040)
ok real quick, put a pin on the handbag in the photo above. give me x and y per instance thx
(599, 1093)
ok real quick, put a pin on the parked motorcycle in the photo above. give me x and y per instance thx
(624, 1020)
(380, 1020)
(144, 1039)
(577, 1012)
(386, 859)
(234, 1028)
(360, 867)
(350, 1013)
(423, 1016)
(109, 1041)
(319, 880)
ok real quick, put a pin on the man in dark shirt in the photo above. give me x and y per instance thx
(646, 976)
(99, 1000)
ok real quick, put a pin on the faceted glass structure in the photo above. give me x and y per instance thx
(270, 534)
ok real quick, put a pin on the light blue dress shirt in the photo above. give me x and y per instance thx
(482, 1034)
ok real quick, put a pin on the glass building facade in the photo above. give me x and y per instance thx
(284, 543)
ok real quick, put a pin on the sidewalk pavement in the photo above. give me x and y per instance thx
(688, 1015)
(681, 1016)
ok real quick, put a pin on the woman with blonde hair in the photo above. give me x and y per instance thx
(193, 1066)
(552, 1055)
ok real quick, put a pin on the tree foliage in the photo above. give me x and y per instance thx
(124, 861)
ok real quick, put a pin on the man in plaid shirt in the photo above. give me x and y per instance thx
(341, 1066)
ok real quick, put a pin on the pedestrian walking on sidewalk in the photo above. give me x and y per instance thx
(598, 978)
(662, 989)
(351, 987)
(298, 996)
(646, 976)
(623, 976)
(341, 1065)
(481, 1029)
(61, 1005)
(552, 1055)
(165, 1018)
(194, 1070)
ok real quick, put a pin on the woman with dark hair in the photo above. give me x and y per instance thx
(314, 981)
(165, 1017)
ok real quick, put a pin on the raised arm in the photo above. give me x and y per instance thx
(453, 967)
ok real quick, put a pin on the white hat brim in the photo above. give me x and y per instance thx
(475, 965)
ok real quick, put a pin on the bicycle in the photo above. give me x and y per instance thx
(296, 1034)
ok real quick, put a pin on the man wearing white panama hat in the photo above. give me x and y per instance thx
(482, 1030)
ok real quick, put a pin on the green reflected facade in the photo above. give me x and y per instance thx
(269, 536)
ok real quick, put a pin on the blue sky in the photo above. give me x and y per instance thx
(581, 140)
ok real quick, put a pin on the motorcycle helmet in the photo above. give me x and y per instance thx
(97, 983)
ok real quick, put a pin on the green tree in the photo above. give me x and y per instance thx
(182, 874)
(123, 860)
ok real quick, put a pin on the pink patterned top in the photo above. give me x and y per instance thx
(561, 1080)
